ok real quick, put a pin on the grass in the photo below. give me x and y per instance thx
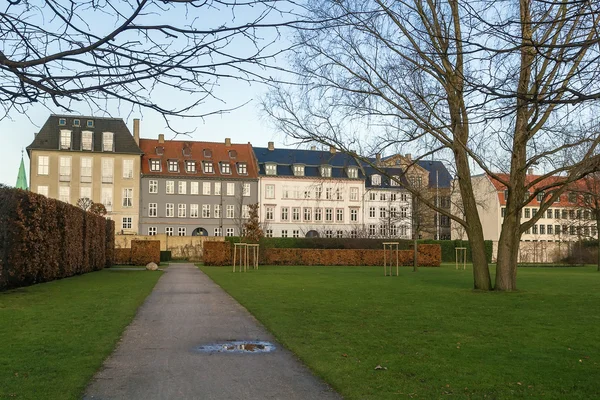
(56, 335)
(435, 336)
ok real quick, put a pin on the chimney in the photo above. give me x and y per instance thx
(409, 156)
(228, 142)
(271, 146)
(161, 138)
(313, 148)
(530, 171)
(377, 158)
(136, 130)
(332, 149)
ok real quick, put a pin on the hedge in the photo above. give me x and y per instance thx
(145, 251)
(43, 239)
(447, 246)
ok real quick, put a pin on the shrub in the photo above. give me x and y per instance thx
(217, 253)
(145, 251)
(123, 256)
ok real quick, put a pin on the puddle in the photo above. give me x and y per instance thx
(237, 346)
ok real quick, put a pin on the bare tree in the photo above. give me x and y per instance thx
(85, 203)
(139, 53)
(586, 194)
(493, 86)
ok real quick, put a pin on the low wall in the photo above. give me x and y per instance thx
(541, 252)
(187, 247)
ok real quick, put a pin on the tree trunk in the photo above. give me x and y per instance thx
(508, 253)
(416, 252)
(598, 237)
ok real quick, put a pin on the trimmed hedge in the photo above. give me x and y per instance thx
(43, 239)
(145, 251)
(123, 256)
(217, 253)
(447, 246)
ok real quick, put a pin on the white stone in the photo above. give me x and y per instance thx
(151, 266)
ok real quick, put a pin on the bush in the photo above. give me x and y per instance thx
(165, 256)
(217, 253)
(145, 251)
(43, 239)
(123, 256)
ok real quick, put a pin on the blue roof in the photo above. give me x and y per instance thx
(445, 179)
(311, 159)
(385, 181)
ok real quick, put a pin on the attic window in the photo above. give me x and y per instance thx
(76, 122)
(154, 165)
(232, 154)
(271, 169)
(394, 181)
(107, 141)
(326, 171)
(62, 121)
(159, 150)
(207, 153)
(299, 170)
(352, 172)
(208, 167)
(90, 123)
(376, 180)
(65, 139)
(173, 166)
(187, 151)
(225, 168)
(190, 167)
(86, 140)
(242, 168)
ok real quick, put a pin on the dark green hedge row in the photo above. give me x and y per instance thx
(43, 239)
(447, 246)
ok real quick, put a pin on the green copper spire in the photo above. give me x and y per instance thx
(22, 178)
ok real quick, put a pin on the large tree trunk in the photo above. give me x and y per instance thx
(598, 236)
(508, 252)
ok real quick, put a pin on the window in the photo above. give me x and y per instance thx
(194, 187)
(269, 233)
(318, 192)
(245, 211)
(339, 215)
(107, 170)
(64, 193)
(372, 196)
(340, 234)
(571, 214)
(107, 141)
(217, 188)
(329, 214)
(376, 180)
(86, 170)
(383, 196)
(549, 214)
(127, 169)
(371, 212)
(154, 165)
(318, 214)
(352, 172)
(353, 215)
(382, 212)
(246, 190)
(207, 166)
(76, 122)
(181, 210)
(225, 168)
(540, 197)
(326, 171)
(43, 163)
(295, 213)
(65, 169)
(353, 194)
(403, 212)
(107, 196)
(527, 213)
(571, 230)
(403, 197)
(328, 234)
(549, 229)
(533, 212)
(572, 197)
(338, 194)
(126, 222)
(206, 210)
(218, 232)
(353, 234)
(502, 212)
(231, 232)
(269, 191)
(284, 213)
(542, 229)
(206, 188)
(284, 233)
(152, 210)
(182, 187)
(173, 165)
(393, 230)
(394, 180)
(328, 193)
(534, 229)
(90, 123)
(43, 190)
(181, 231)
(242, 168)
(230, 189)
(190, 167)
(170, 210)
(285, 192)
(307, 194)
(151, 231)
(169, 231)
(65, 140)
(86, 140)
(194, 211)
(393, 212)
(271, 169)
(62, 121)
(563, 214)
(299, 170)
(307, 213)
(296, 234)
(269, 213)
(230, 211)
(372, 231)
(217, 211)
(556, 214)
(170, 187)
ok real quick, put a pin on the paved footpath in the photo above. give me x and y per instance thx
(156, 358)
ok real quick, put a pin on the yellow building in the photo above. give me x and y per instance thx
(75, 157)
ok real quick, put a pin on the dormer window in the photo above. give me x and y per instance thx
(225, 168)
(352, 172)
(90, 123)
(173, 166)
(159, 150)
(154, 165)
(326, 171)
(65, 140)
(190, 167)
(62, 121)
(232, 154)
(187, 151)
(207, 153)
(299, 170)
(207, 166)
(77, 122)
(376, 180)
(242, 168)
(271, 169)
(107, 141)
(540, 197)
(86, 140)
(395, 180)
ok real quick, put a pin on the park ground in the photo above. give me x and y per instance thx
(427, 334)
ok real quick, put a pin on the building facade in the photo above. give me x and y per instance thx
(309, 193)
(196, 188)
(75, 157)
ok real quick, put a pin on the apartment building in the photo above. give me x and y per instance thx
(74, 157)
(192, 188)
(309, 193)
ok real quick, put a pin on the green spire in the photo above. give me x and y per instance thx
(22, 178)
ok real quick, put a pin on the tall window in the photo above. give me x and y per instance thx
(153, 186)
(329, 214)
(43, 165)
(318, 214)
(352, 173)
(127, 222)
(153, 210)
(65, 169)
(182, 187)
(206, 210)
(107, 141)
(269, 191)
(354, 194)
(86, 169)
(85, 192)
(154, 165)
(328, 193)
(194, 187)
(245, 211)
(107, 170)
(86, 140)
(269, 213)
(230, 211)
(217, 211)
(371, 212)
(246, 190)
(65, 140)
(318, 192)
(64, 193)
(170, 187)
(181, 210)
(284, 213)
(338, 194)
(193, 210)
(217, 188)
(206, 188)
(307, 213)
(127, 169)
(170, 210)
(339, 215)
(107, 198)
(353, 215)
(127, 197)
(295, 213)
(230, 189)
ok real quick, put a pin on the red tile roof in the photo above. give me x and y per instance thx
(219, 153)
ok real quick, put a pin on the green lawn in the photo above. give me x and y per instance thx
(435, 336)
(56, 335)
